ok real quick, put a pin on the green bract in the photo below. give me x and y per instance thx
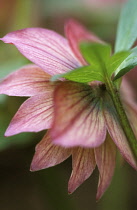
(115, 61)
(83, 74)
(101, 64)
(129, 63)
(97, 56)
(95, 53)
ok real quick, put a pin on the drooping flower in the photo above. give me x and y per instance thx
(82, 118)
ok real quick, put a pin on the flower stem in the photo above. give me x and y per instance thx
(132, 141)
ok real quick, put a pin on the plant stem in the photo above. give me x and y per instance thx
(132, 141)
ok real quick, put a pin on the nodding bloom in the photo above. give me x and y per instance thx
(81, 118)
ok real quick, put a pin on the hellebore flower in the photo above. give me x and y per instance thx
(82, 118)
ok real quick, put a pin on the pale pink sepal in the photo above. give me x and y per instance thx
(45, 48)
(78, 118)
(129, 86)
(83, 164)
(76, 33)
(131, 111)
(105, 158)
(126, 89)
(34, 115)
(47, 154)
(30, 80)
(116, 132)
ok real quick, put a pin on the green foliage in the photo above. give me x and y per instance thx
(115, 61)
(83, 74)
(129, 63)
(101, 64)
(127, 27)
(95, 53)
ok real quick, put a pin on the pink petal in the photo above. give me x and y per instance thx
(46, 48)
(105, 159)
(131, 111)
(127, 89)
(76, 33)
(83, 166)
(129, 86)
(78, 119)
(34, 115)
(116, 132)
(30, 80)
(47, 154)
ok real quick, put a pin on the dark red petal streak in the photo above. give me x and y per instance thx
(78, 118)
(30, 80)
(47, 49)
(105, 159)
(34, 115)
(47, 154)
(83, 164)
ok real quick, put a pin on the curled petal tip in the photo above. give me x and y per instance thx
(33, 168)
(71, 188)
(8, 133)
(5, 40)
(69, 192)
(97, 198)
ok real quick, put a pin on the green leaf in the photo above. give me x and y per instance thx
(83, 75)
(129, 63)
(127, 27)
(102, 65)
(116, 60)
(95, 53)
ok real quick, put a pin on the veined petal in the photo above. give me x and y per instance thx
(45, 48)
(78, 118)
(76, 33)
(47, 154)
(83, 164)
(30, 80)
(105, 158)
(34, 115)
(116, 132)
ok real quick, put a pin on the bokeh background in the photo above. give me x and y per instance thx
(47, 189)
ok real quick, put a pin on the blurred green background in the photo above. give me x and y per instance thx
(47, 189)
